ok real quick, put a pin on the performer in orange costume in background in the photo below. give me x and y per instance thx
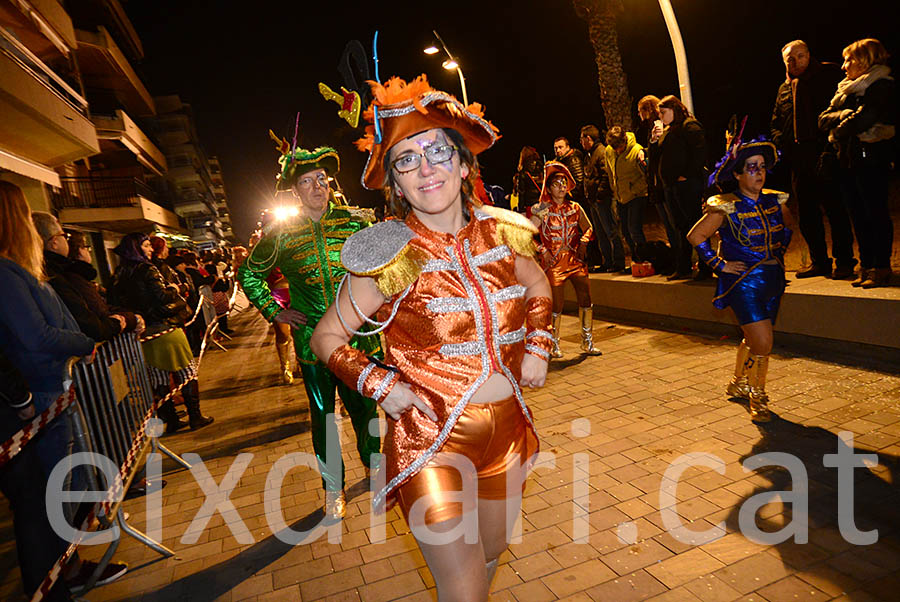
(565, 233)
(465, 313)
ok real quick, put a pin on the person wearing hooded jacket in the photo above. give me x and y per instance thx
(860, 121)
(627, 170)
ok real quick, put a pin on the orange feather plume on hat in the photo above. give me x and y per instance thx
(407, 108)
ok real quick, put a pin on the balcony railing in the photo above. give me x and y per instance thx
(92, 193)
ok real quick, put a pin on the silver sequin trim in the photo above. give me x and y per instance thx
(517, 291)
(383, 385)
(539, 333)
(481, 215)
(515, 336)
(438, 265)
(467, 348)
(445, 305)
(537, 351)
(361, 381)
(495, 254)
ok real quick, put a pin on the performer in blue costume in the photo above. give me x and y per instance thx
(753, 227)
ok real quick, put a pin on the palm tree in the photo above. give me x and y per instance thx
(601, 19)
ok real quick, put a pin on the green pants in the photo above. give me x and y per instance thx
(320, 386)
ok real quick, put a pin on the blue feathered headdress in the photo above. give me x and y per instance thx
(723, 172)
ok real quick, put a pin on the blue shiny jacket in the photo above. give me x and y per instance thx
(753, 231)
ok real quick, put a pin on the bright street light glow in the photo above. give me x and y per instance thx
(282, 213)
(431, 50)
(449, 64)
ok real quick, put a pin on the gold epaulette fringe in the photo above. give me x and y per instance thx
(517, 238)
(402, 271)
(515, 230)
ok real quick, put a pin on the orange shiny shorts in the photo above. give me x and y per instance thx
(496, 440)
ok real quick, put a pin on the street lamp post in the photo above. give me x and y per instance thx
(684, 79)
(450, 64)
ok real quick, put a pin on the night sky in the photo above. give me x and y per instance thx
(246, 67)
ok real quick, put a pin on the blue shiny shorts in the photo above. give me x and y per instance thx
(753, 297)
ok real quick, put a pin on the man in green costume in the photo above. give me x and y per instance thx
(307, 249)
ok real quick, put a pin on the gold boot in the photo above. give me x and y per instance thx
(740, 385)
(335, 505)
(557, 323)
(284, 360)
(586, 315)
(757, 366)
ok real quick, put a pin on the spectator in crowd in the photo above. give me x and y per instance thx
(23, 483)
(160, 257)
(860, 122)
(38, 336)
(80, 296)
(598, 204)
(565, 232)
(647, 135)
(682, 159)
(573, 159)
(627, 171)
(527, 181)
(801, 97)
(138, 285)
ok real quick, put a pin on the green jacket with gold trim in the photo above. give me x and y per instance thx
(309, 255)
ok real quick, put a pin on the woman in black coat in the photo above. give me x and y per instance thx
(860, 124)
(138, 286)
(682, 159)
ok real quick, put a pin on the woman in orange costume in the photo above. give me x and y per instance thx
(565, 233)
(465, 312)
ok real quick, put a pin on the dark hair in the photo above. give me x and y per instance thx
(399, 207)
(77, 241)
(674, 103)
(592, 131)
(564, 139)
(615, 136)
(175, 260)
(528, 157)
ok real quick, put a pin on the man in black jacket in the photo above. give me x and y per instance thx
(91, 321)
(598, 204)
(573, 159)
(801, 97)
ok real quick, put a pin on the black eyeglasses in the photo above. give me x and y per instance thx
(434, 154)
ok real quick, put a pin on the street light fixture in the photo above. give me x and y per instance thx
(450, 64)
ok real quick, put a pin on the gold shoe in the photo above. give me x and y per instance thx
(586, 315)
(284, 360)
(557, 323)
(757, 367)
(335, 505)
(740, 385)
(759, 407)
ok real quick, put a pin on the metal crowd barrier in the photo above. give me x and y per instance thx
(113, 410)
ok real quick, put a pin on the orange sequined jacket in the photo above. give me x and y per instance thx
(462, 318)
(560, 230)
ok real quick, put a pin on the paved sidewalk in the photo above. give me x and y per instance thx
(615, 424)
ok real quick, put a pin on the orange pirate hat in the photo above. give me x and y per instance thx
(405, 109)
(552, 168)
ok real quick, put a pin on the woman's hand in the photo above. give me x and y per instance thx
(534, 371)
(401, 398)
(734, 267)
(291, 317)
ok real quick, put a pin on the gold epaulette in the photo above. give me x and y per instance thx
(782, 196)
(721, 203)
(516, 231)
(361, 214)
(383, 252)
